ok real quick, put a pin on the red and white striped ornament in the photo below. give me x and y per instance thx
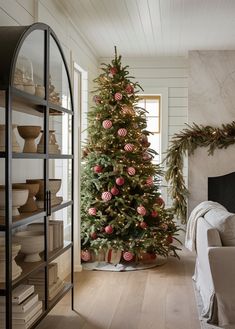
(107, 124)
(122, 132)
(120, 181)
(85, 255)
(129, 147)
(92, 211)
(106, 196)
(131, 171)
(149, 181)
(108, 229)
(128, 256)
(118, 96)
(114, 190)
(141, 210)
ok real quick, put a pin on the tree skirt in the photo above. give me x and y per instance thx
(125, 266)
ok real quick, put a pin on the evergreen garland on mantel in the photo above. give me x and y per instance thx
(185, 143)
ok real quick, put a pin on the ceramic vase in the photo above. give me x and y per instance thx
(30, 205)
(15, 145)
(16, 269)
(53, 146)
(29, 134)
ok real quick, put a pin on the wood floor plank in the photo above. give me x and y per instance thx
(158, 298)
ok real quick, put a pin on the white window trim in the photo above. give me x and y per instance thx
(163, 93)
(77, 161)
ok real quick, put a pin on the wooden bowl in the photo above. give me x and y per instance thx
(33, 189)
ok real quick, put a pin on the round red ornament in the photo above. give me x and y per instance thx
(160, 201)
(128, 256)
(154, 213)
(122, 132)
(94, 235)
(108, 229)
(107, 124)
(97, 169)
(141, 210)
(113, 70)
(92, 211)
(144, 139)
(129, 147)
(129, 89)
(169, 239)
(85, 255)
(146, 156)
(120, 181)
(131, 171)
(149, 181)
(118, 96)
(114, 190)
(106, 196)
(143, 225)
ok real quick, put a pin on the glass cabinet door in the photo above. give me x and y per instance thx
(29, 69)
(59, 93)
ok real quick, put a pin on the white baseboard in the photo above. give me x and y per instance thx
(77, 268)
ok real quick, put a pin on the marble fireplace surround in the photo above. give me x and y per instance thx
(211, 102)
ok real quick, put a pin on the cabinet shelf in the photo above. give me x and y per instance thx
(28, 156)
(60, 156)
(25, 103)
(23, 219)
(37, 156)
(59, 251)
(58, 110)
(64, 204)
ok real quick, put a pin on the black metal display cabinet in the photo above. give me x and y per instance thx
(36, 171)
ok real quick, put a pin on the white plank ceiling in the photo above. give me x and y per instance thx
(149, 28)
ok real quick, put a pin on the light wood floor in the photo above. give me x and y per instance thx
(159, 298)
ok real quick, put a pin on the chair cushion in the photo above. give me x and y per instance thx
(224, 222)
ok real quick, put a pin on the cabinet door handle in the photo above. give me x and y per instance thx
(49, 203)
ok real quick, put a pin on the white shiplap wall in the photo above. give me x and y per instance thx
(167, 76)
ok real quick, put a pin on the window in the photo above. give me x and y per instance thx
(152, 105)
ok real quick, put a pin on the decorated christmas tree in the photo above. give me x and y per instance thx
(121, 206)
